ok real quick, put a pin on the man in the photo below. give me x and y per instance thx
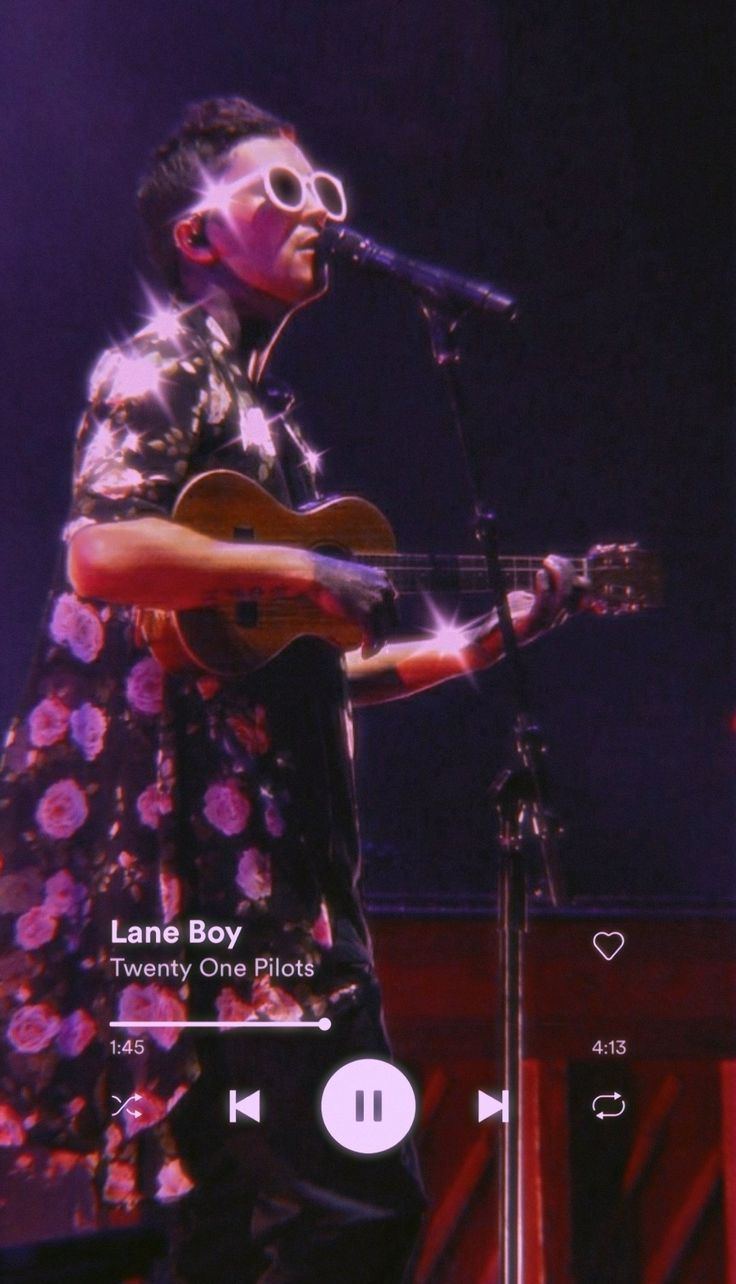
(134, 797)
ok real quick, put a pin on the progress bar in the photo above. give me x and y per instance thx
(324, 1023)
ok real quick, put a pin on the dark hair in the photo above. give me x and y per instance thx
(208, 131)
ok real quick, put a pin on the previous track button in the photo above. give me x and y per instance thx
(248, 1107)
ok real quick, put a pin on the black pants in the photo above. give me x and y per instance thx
(279, 1202)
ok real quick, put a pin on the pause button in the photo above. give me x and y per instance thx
(368, 1106)
(360, 1105)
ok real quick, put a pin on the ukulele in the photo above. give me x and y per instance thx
(235, 637)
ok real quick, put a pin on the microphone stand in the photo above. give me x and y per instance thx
(525, 821)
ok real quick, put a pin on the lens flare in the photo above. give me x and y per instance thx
(313, 460)
(216, 196)
(165, 323)
(449, 638)
(162, 320)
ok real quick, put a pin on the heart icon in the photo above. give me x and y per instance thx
(608, 944)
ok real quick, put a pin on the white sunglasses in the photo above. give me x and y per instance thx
(289, 190)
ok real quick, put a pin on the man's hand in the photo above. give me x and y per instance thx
(558, 593)
(357, 593)
(405, 667)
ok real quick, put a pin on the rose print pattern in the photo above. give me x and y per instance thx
(35, 928)
(78, 626)
(88, 725)
(254, 875)
(77, 1031)
(12, 1132)
(173, 1182)
(48, 723)
(151, 805)
(31, 1029)
(62, 893)
(62, 809)
(230, 1006)
(120, 1185)
(151, 1003)
(130, 793)
(145, 686)
(226, 808)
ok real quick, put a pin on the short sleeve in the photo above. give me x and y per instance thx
(139, 431)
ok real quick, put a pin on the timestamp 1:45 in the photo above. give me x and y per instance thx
(133, 1047)
(611, 1048)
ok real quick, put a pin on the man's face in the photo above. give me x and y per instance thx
(267, 248)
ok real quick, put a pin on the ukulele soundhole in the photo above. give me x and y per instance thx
(246, 615)
(243, 535)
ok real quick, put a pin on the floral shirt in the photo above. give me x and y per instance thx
(149, 798)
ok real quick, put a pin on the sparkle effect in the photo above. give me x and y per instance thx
(216, 196)
(313, 460)
(448, 637)
(162, 321)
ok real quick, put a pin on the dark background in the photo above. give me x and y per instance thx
(578, 153)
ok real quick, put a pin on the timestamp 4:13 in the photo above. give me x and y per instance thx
(610, 1048)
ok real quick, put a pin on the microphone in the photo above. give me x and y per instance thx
(436, 285)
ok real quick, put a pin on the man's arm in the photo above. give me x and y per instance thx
(149, 561)
(405, 668)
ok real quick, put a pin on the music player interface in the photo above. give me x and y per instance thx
(366, 827)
